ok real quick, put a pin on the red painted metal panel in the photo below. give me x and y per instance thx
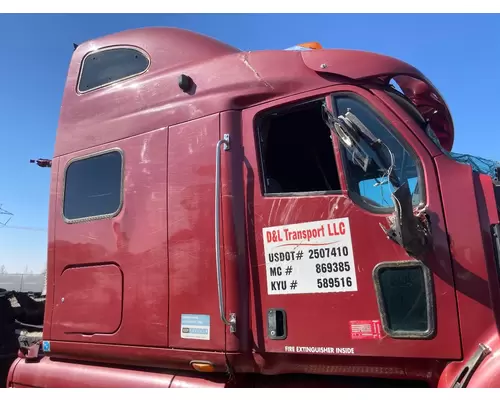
(361, 65)
(225, 79)
(82, 294)
(187, 382)
(191, 238)
(136, 356)
(236, 283)
(327, 315)
(470, 208)
(135, 240)
(49, 302)
(58, 374)
(47, 373)
(467, 246)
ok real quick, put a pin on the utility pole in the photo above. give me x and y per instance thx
(5, 216)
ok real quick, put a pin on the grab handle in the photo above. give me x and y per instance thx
(232, 317)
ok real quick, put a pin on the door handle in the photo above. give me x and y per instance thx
(232, 316)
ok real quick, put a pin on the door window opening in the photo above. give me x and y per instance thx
(296, 151)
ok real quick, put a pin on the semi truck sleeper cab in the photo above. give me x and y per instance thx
(261, 218)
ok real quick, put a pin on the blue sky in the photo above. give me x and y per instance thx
(459, 53)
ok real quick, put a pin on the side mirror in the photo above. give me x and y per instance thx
(42, 162)
(410, 231)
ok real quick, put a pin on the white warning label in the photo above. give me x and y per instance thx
(312, 257)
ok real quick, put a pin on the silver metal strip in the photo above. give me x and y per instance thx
(232, 317)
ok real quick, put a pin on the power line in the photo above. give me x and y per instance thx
(9, 215)
(4, 214)
(24, 228)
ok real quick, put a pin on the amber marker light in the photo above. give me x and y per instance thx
(311, 45)
(202, 366)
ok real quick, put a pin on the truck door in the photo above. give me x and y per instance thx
(324, 277)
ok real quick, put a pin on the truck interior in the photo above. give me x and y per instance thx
(297, 151)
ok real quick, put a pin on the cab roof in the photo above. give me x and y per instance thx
(223, 77)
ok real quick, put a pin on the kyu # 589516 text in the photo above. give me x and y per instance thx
(312, 257)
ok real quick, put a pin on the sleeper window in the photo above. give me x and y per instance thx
(296, 151)
(110, 65)
(93, 187)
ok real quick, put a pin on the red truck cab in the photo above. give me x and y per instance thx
(241, 218)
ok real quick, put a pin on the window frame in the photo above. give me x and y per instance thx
(357, 199)
(122, 189)
(102, 50)
(280, 109)
(406, 105)
(430, 298)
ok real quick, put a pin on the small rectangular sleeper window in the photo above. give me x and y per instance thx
(93, 186)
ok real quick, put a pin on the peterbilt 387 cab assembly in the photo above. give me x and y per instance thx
(262, 218)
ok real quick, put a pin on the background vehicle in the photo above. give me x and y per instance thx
(21, 320)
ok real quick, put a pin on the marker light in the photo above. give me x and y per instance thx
(306, 46)
(202, 366)
(311, 45)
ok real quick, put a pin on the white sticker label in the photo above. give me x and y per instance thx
(312, 257)
(195, 326)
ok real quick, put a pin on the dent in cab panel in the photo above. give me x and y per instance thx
(110, 243)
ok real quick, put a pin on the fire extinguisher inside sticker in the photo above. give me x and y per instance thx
(312, 257)
(195, 326)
